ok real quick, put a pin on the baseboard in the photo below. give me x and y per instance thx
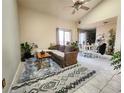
(15, 76)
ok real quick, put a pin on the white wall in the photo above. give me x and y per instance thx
(10, 42)
(41, 28)
(106, 9)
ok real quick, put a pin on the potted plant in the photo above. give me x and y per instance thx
(74, 46)
(25, 51)
(116, 60)
(111, 42)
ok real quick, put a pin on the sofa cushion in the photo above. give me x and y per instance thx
(61, 48)
(67, 49)
(59, 53)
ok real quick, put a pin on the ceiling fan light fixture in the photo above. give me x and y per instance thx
(82, 0)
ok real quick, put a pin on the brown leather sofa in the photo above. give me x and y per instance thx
(69, 57)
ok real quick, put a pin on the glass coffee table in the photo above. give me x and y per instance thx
(45, 56)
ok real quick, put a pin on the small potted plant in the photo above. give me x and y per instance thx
(74, 46)
(25, 51)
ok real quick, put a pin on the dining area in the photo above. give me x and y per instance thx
(92, 50)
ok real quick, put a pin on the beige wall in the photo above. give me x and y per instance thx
(41, 28)
(104, 29)
(106, 9)
(10, 42)
(118, 35)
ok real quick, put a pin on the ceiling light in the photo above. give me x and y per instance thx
(81, 0)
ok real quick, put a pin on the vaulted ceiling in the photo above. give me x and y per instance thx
(112, 20)
(58, 8)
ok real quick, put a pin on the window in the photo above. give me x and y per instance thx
(82, 37)
(63, 36)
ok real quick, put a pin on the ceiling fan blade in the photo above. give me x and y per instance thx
(73, 12)
(84, 7)
(73, 1)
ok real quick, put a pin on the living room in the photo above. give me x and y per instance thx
(48, 28)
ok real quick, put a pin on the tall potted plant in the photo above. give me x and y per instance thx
(111, 42)
(25, 51)
(116, 60)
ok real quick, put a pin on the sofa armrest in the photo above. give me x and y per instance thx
(70, 58)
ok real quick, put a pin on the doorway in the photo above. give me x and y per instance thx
(88, 35)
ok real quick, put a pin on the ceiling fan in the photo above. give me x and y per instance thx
(78, 4)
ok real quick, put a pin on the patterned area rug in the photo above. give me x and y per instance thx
(33, 72)
(66, 80)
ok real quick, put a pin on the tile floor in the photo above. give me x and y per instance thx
(107, 80)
